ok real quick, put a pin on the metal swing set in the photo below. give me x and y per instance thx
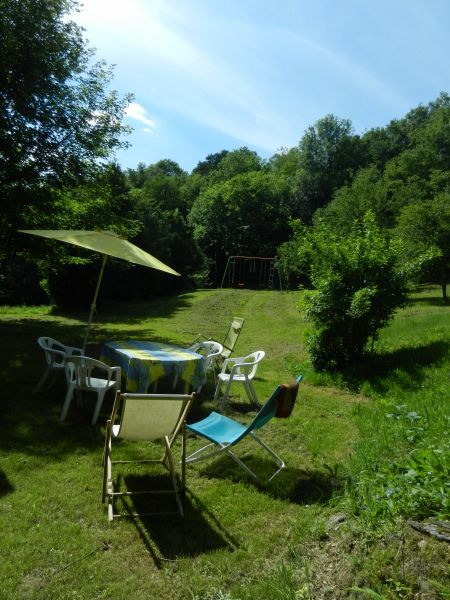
(251, 271)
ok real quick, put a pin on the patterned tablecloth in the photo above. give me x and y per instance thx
(143, 363)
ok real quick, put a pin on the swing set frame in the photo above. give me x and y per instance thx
(238, 266)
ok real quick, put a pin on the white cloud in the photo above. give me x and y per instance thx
(136, 111)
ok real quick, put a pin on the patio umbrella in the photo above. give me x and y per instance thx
(107, 243)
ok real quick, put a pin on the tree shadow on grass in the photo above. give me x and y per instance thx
(299, 486)
(5, 486)
(172, 537)
(404, 366)
(434, 301)
(119, 311)
(20, 334)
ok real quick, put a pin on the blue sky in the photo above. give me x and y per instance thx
(209, 75)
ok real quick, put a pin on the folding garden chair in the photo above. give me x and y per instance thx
(230, 339)
(147, 417)
(232, 336)
(224, 433)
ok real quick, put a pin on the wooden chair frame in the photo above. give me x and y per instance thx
(113, 431)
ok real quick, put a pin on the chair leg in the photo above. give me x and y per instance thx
(217, 392)
(107, 488)
(241, 464)
(251, 393)
(106, 464)
(41, 381)
(225, 394)
(109, 485)
(173, 475)
(100, 397)
(183, 460)
(280, 462)
(67, 402)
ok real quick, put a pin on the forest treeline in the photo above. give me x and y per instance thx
(59, 127)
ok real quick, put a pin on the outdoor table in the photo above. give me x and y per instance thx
(143, 363)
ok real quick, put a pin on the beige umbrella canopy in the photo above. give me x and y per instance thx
(107, 243)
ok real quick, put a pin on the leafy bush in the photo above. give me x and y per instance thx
(360, 281)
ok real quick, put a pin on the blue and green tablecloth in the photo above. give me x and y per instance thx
(143, 363)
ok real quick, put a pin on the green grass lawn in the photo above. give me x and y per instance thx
(333, 524)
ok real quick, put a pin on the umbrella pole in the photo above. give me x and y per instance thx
(94, 301)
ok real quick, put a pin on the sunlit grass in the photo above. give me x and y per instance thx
(239, 539)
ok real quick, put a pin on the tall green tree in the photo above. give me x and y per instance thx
(160, 203)
(328, 157)
(58, 121)
(425, 225)
(235, 163)
(367, 191)
(211, 162)
(246, 215)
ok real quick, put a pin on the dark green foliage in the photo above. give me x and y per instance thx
(294, 266)
(329, 155)
(360, 281)
(427, 224)
(246, 215)
(366, 192)
(161, 209)
(56, 116)
(235, 163)
(211, 162)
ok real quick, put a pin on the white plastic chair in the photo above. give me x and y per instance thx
(82, 374)
(211, 351)
(241, 369)
(54, 352)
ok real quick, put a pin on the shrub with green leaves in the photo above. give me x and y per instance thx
(360, 281)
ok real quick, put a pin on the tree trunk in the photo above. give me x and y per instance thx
(444, 292)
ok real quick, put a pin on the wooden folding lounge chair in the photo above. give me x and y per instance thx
(147, 417)
(224, 433)
(230, 339)
(232, 336)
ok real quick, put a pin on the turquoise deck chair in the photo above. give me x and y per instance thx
(224, 433)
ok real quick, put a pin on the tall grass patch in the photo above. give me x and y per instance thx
(401, 465)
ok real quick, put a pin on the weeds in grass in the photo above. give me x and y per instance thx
(405, 470)
(215, 595)
(368, 593)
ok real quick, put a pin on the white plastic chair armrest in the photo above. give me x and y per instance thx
(227, 362)
(245, 366)
(116, 373)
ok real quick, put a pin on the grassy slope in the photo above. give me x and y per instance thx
(248, 540)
